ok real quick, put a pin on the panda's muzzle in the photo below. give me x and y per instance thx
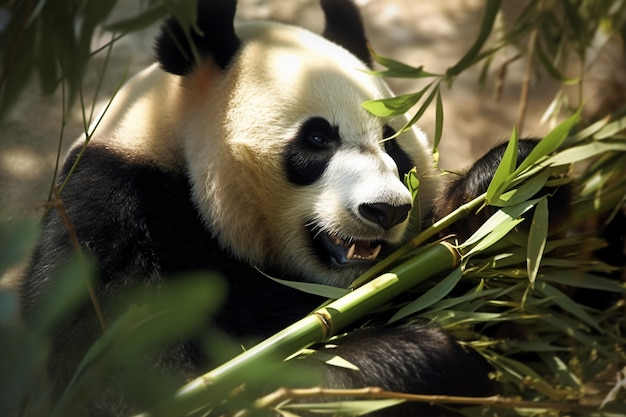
(344, 251)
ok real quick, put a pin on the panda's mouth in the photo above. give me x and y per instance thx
(346, 251)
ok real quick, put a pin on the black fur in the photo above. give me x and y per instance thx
(212, 36)
(476, 182)
(308, 154)
(345, 27)
(402, 160)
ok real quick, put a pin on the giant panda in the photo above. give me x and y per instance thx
(245, 150)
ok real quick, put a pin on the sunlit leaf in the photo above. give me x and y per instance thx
(537, 237)
(584, 152)
(611, 129)
(396, 69)
(550, 142)
(393, 106)
(501, 177)
(425, 105)
(334, 360)
(504, 216)
(525, 190)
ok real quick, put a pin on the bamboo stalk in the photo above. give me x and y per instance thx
(314, 328)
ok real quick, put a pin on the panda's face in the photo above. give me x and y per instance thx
(290, 172)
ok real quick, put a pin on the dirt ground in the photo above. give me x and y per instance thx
(432, 33)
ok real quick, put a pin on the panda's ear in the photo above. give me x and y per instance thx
(344, 27)
(213, 35)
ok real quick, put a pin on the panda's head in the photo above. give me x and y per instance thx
(289, 171)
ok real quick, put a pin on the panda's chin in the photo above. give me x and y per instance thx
(345, 252)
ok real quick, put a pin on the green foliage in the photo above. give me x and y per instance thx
(53, 39)
(151, 320)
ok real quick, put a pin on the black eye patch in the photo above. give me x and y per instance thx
(401, 158)
(308, 153)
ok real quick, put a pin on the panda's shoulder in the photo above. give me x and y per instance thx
(116, 203)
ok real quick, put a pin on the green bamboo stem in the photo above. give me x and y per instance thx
(316, 327)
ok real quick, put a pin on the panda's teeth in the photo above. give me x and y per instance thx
(363, 251)
(376, 251)
(350, 253)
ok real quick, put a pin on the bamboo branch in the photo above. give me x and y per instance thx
(283, 394)
(316, 327)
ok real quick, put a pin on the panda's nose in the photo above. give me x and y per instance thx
(385, 214)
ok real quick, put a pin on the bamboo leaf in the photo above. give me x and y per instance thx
(420, 112)
(504, 216)
(471, 296)
(150, 320)
(492, 7)
(523, 374)
(584, 152)
(438, 125)
(569, 305)
(17, 238)
(393, 106)
(537, 237)
(561, 370)
(396, 69)
(582, 279)
(436, 293)
(525, 190)
(411, 180)
(551, 68)
(550, 143)
(325, 291)
(611, 129)
(333, 360)
(501, 178)
(66, 291)
(589, 131)
(494, 236)
(569, 327)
